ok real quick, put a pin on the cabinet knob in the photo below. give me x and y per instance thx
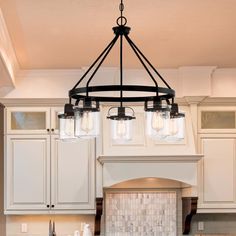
(48, 206)
(52, 130)
(52, 206)
(48, 130)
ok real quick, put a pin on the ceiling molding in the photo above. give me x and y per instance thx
(8, 62)
(194, 99)
(14, 102)
(219, 101)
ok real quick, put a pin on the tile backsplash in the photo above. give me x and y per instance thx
(141, 213)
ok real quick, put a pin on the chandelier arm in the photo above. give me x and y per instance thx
(149, 63)
(142, 62)
(94, 63)
(100, 63)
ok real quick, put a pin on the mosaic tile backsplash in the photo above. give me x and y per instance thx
(141, 214)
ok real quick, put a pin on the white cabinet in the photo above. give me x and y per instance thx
(44, 174)
(32, 120)
(73, 174)
(143, 145)
(217, 169)
(217, 178)
(27, 120)
(217, 119)
(28, 172)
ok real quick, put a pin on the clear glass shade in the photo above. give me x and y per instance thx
(87, 123)
(176, 129)
(159, 125)
(121, 130)
(66, 128)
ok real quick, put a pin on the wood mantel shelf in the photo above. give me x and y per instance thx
(150, 159)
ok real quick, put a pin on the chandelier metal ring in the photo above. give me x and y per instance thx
(164, 93)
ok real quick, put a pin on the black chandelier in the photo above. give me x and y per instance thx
(81, 115)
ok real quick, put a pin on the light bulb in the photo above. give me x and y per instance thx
(157, 121)
(121, 128)
(87, 121)
(173, 128)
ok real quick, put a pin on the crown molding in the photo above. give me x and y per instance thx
(194, 99)
(219, 101)
(8, 62)
(13, 102)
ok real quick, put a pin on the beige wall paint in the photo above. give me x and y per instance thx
(38, 225)
(215, 224)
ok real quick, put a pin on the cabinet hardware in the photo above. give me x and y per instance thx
(52, 130)
(48, 206)
(48, 130)
(52, 206)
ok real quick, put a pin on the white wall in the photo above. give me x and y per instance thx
(186, 81)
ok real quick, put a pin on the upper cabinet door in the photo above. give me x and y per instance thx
(54, 119)
(27, 173)
(28, 120)
(217, 188)
(217, 120)
(73, 174)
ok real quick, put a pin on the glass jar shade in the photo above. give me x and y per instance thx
(121, 130)
(87, 123)
(173, 126)
(157, 123)
(176, 129)
(66, 128)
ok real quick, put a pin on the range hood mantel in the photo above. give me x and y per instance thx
(118, 169)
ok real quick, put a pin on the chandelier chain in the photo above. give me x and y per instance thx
(121, 20)
(121, 7)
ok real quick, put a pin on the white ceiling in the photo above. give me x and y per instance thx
(52, 34)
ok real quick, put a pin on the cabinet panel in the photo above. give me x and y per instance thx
(218, 169)
(28, 120)
(141, 144)
(54, 119)
(73, 179)
(217, 119)
(28, 172)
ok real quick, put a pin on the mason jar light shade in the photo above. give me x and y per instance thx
(176, 129)
(121, 123)
(87, 123)
(121, 130)
(157, 122)
(66, 127)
